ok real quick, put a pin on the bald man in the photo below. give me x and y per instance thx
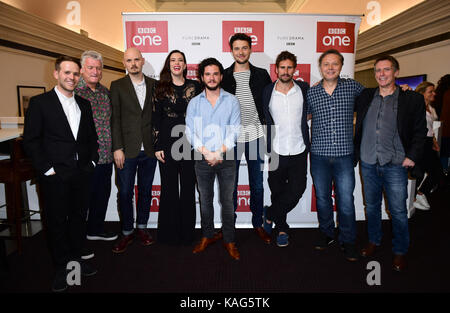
(132, 145)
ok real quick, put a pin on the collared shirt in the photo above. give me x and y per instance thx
(141, 91)
(71, 110)
(380, 141)
(101, 112)
(332, 118)
(286, 110)
(213, 127)
(73, 114)
(251, 128)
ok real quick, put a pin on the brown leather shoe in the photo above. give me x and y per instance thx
(232, 250)
(204, 242)
(123, 243)
(263, 235)
(144, 237)
(369, 250)
(399, 263)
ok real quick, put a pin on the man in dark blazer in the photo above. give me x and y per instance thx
(390, 135)
(60, 138)
(246, 82)
(285, 110)
(132, 145)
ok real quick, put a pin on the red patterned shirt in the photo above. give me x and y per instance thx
(101, 112)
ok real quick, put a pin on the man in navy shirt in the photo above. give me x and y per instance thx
(331, 106)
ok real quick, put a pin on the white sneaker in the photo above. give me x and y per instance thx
(419, 206)
(422, 199)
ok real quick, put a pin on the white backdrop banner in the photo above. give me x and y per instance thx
(202, 35)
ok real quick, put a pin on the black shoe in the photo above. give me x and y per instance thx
(87, 269)
(87, 254)
(105, 236)
(323, 242)
(60, 281)
(350, 252)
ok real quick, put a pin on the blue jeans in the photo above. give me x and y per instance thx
(255, 176)
(206, 175)
(145, 167)
(394, 180)
(340, 169)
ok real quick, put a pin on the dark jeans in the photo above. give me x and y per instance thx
(100, 192)
(206, 175)
(145, 167)
(65, 209)
(177, 211)
(394, 180)
(255, 177)
(287, 184)
(340, 169)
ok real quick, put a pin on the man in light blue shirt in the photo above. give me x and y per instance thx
(212, 126)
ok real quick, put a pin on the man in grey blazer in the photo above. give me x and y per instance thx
(132, 145)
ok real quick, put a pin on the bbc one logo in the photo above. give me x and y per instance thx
(243, 198)
(156, 197)
(336, 35)
(254, 29)
(192, 71)
(147, 36)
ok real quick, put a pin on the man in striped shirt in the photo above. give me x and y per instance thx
(246, 82)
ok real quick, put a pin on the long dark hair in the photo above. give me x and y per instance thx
(442, 86)
(165, 88)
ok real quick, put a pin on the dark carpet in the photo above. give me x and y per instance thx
(262, 269)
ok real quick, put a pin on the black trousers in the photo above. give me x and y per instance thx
(287, 184)
(99, 198)
(432, 166)
(177, 211)
(65, 209)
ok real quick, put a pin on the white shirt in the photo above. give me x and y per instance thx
(141, 91)
(71, 110)
(286, 111)
(431, 117)
(73, 114)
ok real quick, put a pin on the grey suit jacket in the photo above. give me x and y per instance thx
(130, 125)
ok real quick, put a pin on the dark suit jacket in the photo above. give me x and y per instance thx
(130, 125)
(259, 78)
(48, 139)
(411, 121)
(267, 94)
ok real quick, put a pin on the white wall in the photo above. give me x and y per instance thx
(432, 60)
(25, 68)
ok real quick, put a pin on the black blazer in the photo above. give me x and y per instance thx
(267, 95)
(48, 139)
(411, 121)
(130, 125)
(259, 78)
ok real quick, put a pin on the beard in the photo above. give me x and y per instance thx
(285, 79)
(212, 88)
(242, 62)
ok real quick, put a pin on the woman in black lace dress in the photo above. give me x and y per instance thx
(177, 212)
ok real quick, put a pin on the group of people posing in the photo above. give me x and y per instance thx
(199, 130)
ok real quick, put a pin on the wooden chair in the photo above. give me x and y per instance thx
(14, 172)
